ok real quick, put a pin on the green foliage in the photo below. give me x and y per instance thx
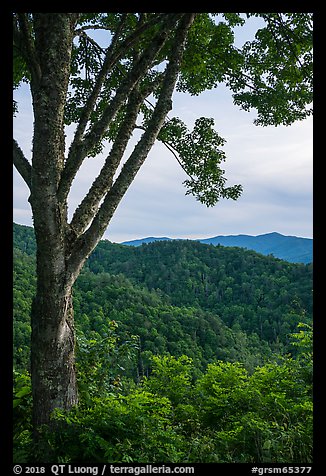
(226, 415)
(24, 239)
(264, 295)
(279, 64)
(22, 410)
(209, 303)
(302, 343)
(162, 383)
(171, 378)
(264, 417)
(24, 282)
(271, 73)
(100, 360)
(200, 156)
(132, 428)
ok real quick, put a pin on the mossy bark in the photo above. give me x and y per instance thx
(53, 354)
(52, 342)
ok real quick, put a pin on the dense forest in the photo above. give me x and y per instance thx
(186, 352)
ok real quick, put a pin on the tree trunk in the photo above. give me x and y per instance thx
(62, 248)
(53, 340)
(53, 351)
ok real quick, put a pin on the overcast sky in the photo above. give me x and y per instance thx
(274, 165)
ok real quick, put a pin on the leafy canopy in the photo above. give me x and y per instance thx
(272, 73)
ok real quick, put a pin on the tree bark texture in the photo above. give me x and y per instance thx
(53, 354)
(52, 342)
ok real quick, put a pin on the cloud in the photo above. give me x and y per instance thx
(274, 165)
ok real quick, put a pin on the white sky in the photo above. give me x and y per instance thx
(274, 165)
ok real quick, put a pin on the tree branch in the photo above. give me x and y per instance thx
(79, 149)
(286, 29)
(22, 165)
(173, 151)
(138, 71)
(88, 240)
(17, 35)
(89, 205)
(28, 48)
(113, 54)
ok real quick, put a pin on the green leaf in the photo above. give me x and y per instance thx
(22, 392)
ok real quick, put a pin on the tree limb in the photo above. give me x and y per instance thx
(79, 149)
(139, 70)
(89, 205)
(22, 165)
(287, 30)
(29, 48)
(173, 151)
(113, 54)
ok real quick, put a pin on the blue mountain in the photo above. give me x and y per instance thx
(289, 248)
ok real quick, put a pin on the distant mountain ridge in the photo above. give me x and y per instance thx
(289, 248)
(149, 239)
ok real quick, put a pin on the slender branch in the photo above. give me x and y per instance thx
(91, 27)
(17, 35)
(135, 35)
(113, 54)
(287, 29)
(271, 28)
(170, 149)
(91, 100)
(29, 48)
(22, 164)
(139, 69)
(244, 77)
(98, 48)
(174, 152)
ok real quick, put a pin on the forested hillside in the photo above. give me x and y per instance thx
(290, 248)
(178, 338)
(262, 294)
